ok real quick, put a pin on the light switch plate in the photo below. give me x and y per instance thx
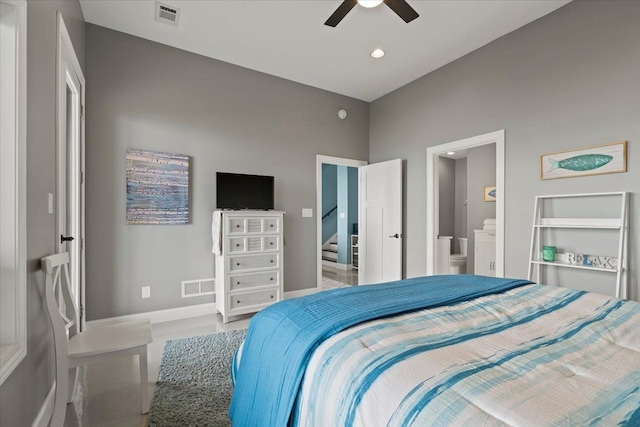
(342, 215)
(307, 212)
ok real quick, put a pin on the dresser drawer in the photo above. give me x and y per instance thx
(250, 262)
(238, 282)
(271, 243)
(251, 225)
(271, 225)
(251, 299)
(240, 245)
(236, 225)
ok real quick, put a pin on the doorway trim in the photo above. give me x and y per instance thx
(320, 160)
(67, 62)
(497, 138)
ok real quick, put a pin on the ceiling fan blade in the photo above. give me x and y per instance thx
(340, 12)
(402, 9)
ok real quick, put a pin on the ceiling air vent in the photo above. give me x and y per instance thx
(167, 14)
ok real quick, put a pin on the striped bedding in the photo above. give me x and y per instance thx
(532, 356)
(282, 337)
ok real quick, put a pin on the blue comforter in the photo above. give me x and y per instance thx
(282, 337)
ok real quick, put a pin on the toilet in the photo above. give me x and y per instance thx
(458, 262)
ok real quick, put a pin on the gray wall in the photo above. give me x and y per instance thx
(567, 80)
(447, 197)
(146, 95)
(23, 393)
(461, 209)
(481, 172)
(329, 201)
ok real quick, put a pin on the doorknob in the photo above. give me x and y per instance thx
(396, 236)
(65, 239)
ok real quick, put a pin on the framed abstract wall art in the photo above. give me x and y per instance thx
(601, 159)
(489, 194)
(157, 187)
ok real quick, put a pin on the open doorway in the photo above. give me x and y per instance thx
(467, 216)
(495, 263)
(337, 221)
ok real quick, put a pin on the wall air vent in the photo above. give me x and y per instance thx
(167, 14)
(198, 288)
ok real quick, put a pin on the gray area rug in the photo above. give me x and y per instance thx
(194, 383)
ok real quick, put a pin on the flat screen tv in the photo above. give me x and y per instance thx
(238, 191)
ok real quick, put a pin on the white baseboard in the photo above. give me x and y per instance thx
(160, 316)
(337, 265)
(180, 313)
(300, 293)
(46, 410)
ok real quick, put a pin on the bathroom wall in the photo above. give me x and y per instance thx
(481, 172)
(447, 192)
(460, 209)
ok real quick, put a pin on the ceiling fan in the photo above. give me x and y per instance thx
(400, 7)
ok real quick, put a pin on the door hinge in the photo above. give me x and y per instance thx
(82, 311)
(81, 177)
(82, 112)
(82, 243)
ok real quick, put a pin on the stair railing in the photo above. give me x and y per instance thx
(330, 212)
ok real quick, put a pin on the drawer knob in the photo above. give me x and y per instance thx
(271, 261)
(271, 243)
(271, 296)
(271, 226)
(237, 283)
(237, 263)
(238, 301)
(237, 225)
(237, 245)
(272, 279)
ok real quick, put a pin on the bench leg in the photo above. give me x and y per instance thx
(144, 381)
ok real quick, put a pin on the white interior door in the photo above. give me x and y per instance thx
(70, 164)
(380, 212)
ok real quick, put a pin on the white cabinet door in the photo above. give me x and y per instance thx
(380, 239)
(484, 263)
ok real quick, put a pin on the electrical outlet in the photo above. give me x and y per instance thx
(146, 292)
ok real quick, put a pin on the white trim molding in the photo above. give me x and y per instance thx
(179, 313)
(46, 410)
(160, 316)
(300, 293)
(70, 161)
(13, 347)
(497, 138)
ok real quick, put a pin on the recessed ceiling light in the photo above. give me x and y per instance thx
(451, 153)
(369, 3)
(377, 53)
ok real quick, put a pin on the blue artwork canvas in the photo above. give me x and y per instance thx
(157, 188)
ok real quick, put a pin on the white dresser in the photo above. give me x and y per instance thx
(484, 262)
(249, 271)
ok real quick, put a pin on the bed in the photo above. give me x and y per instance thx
(439, 351)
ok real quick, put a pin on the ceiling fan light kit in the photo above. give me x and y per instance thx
(369, 3)
(377, 53)
(400, 7)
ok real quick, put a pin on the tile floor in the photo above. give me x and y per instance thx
(110, 391)
(350, 277)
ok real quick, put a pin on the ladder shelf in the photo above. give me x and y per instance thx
(617, 223)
